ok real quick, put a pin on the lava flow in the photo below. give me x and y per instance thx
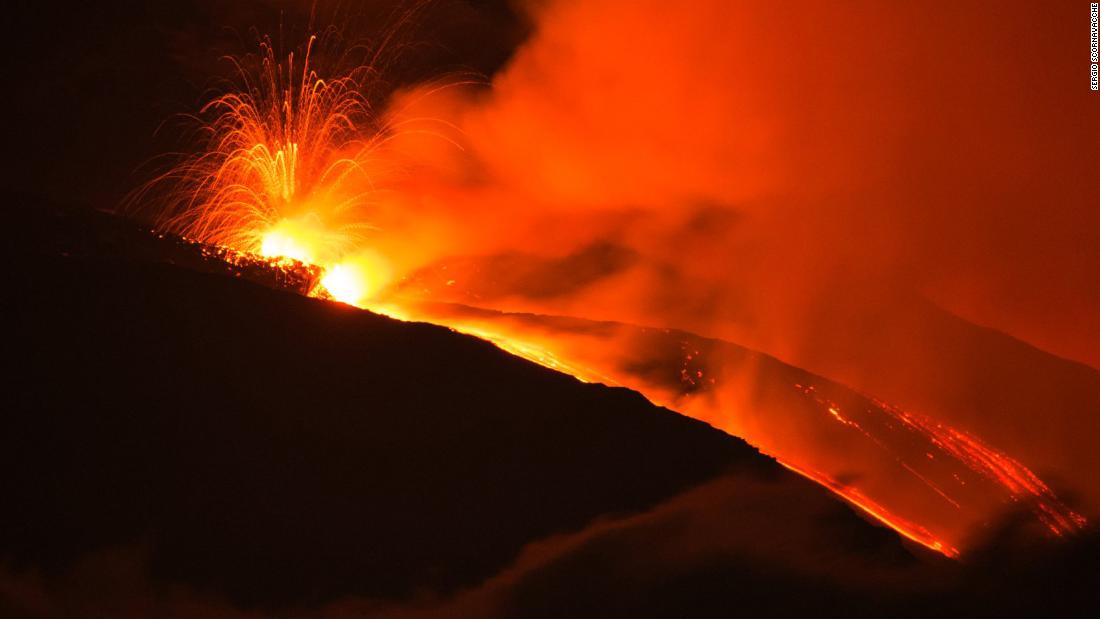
(934, 484)
(289, 168)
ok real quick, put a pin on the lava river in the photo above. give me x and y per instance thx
(933, 483)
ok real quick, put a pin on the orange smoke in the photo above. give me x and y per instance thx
(812, 180)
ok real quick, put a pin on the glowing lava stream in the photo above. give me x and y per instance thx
(540, 355)
(990, 476)
(910, 530)
(537, 354)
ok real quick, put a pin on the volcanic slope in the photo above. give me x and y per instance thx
(186, 443)
(276, 449)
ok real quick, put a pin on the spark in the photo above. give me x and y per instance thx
(284, 166)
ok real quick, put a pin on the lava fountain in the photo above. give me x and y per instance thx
(284, 168)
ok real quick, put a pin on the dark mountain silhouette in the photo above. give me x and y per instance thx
(281, 449)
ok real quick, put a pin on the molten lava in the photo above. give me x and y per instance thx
(932, 483)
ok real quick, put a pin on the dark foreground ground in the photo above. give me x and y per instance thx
(180, 443)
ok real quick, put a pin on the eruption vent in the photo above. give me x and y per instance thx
(284, 169)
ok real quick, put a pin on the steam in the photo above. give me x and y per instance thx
(823, 183)
(760, 158)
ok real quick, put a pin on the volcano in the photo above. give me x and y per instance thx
(541, 308)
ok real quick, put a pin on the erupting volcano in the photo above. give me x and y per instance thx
(450, 306)
(288, 173)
